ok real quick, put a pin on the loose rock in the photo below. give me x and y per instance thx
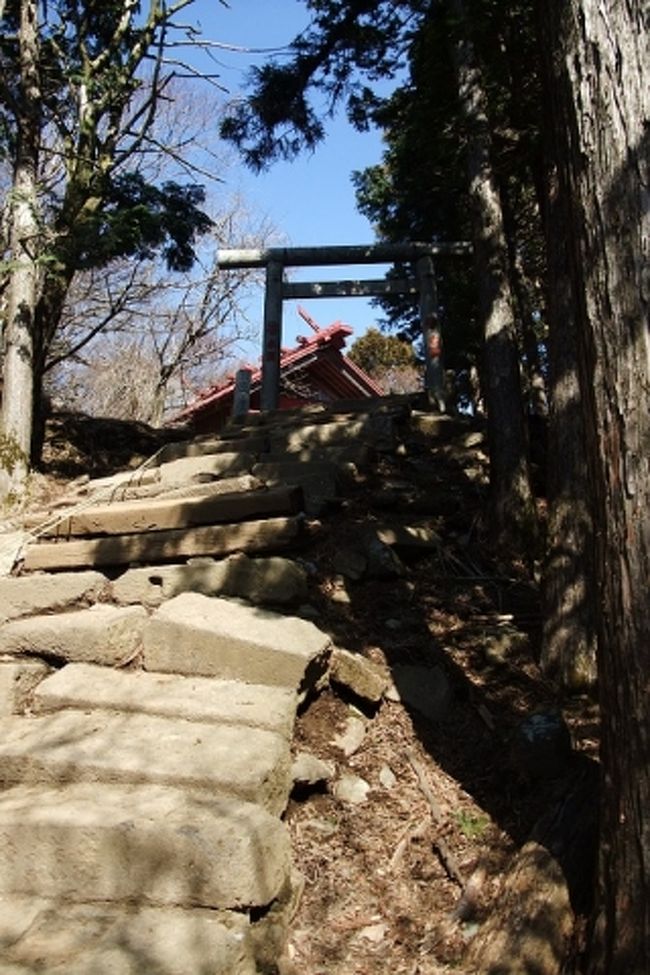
(350, 563)
(352, 789)
(351, 738)
(541, 747)
(425, 689)
(387, 777)
(309, 770)
(382, 562)
(358, 674)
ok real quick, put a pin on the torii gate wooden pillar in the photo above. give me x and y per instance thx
(275, 259)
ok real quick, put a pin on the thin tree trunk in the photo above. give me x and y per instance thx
(537, 400)
(22, 291)
(603, 101)
(47, 318)
(158, 400)
(513, 517)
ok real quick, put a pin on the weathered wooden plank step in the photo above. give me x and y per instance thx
(67, 746)
(226, 485)
(271, 534)
(127, 517)
(110, 939)
(155, 845)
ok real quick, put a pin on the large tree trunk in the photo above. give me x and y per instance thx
(513, 517)
(568, 653)
(23, 283)
(603, 111)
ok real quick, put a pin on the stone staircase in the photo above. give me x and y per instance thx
(148, 695)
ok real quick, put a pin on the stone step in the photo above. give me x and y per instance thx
(273, 579)
(201, 446)
(256, 423)
(202, 699)
(107, 939)
(127, 517)
(397, 408)
(150, 845)
(376, 429)
(182, 471)
(18, 678)
(397, 405)
(29, 595)
(342, 455)
(271, 534)
(101, 746)
(212, 637)
(413, 537)
(438, 426)
(108, 635)
(320, 481)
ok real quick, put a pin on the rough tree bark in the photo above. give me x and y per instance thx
(568, 653)
(23, 286)
(602, 106)
(512, 507)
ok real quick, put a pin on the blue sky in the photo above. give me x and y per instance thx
(310, 201)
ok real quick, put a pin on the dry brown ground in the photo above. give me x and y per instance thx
(378, 897)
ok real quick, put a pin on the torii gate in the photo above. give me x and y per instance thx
(276, 259)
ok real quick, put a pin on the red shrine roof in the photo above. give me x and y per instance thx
(316, 359)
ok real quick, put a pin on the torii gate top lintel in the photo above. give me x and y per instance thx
(328, 255)
(275, 259)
